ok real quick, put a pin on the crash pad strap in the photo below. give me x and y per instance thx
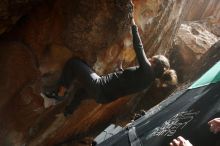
(133, 138)
(211, 76)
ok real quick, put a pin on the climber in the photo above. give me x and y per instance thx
(120, 83)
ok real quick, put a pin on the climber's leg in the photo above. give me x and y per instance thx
(76, 69)
(79, 95)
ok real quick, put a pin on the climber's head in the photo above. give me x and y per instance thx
(169, 77)
(159, 64)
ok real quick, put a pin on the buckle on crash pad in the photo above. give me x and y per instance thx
(132, 135)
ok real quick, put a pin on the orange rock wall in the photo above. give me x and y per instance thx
(201, 9)
(34, 51)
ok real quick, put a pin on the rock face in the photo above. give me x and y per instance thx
(191, 42)
(12, 11)
(19, 76)
(197, 10)
(206, 61)
(34, 52)
(195, 37)
(199, 31)
(212, 24)
(204, 11)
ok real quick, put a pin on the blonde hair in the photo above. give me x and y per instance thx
(161, 65)
(169, 77)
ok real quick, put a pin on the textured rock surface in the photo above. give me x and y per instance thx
(35, 50)
(197, 10)
(206, 12)
(19, 102)
(194, 36)
(205, 62)
(212, 24)
(191, 42)
(12, 10)
(199, 31)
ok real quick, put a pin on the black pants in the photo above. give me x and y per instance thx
(76, 69)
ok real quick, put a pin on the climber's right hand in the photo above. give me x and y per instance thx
(131, 13)
(131, 6)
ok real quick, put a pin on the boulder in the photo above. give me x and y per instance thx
(205, 12)
(192, 41)
(96, 31)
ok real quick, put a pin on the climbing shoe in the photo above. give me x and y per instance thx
(54, 96)
(68, 111)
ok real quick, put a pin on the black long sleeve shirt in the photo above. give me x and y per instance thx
(130, 80)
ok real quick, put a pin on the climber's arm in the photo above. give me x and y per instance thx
(138, 46)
